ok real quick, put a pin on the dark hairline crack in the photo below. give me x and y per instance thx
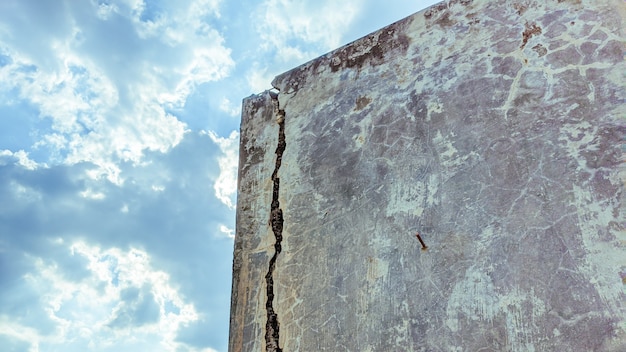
(276, 221)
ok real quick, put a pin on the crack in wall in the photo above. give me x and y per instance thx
(276, 220)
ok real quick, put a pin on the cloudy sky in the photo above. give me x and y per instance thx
(118, 154)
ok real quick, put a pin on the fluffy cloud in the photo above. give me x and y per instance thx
(106, 74)
(226, 184)
(120, 302)
(228, 107)
(260, 78)
(86, 264)
(293, 28)
(21, 157)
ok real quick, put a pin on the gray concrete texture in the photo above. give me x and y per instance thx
(495, 130)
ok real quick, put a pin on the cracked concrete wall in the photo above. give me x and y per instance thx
(495, 129)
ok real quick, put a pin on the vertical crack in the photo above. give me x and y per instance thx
(276, 220)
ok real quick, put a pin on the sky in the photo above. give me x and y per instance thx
(119, 143)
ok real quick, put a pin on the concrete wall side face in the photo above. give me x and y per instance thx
(495, 129)
(254, 240)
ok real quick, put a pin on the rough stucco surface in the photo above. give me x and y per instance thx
(494, 128)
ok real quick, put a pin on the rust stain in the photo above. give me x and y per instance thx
(531, 29)
(520, 8)
(362, 102)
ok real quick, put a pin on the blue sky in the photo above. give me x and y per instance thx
(118, 154)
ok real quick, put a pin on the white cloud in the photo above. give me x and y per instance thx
(228, 107)
(122, 302)
(104, 10)
(91, 194)
(21, 156)
(230, 233)
(226, 184)
(106, 104)
(260, 78)
(290, 26)
(19, 332)
(165, 207)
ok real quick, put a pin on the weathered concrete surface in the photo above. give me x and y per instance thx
(495, 129)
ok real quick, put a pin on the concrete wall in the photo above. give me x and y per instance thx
(495, 129)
